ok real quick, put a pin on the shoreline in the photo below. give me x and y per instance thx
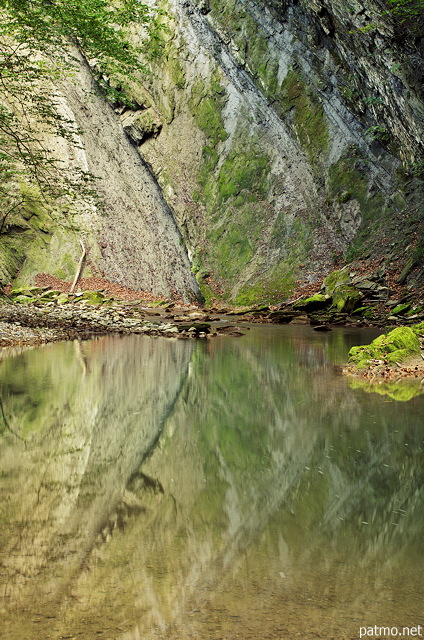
(32, 316)
(412, 368)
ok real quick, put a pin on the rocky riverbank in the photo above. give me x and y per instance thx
(36, 316)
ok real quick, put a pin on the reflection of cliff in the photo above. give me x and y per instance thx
(248, 516)
(83, 417)
(291, 460)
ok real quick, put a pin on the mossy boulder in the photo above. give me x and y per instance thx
(401, 309)
(313, 303)
(393, 347)
(25, 291)
(335, 279)
(346, 298)
(93, 297)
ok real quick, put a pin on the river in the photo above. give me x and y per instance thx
(224, 489)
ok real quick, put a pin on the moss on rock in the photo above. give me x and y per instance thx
(313, 303)
(308, 117)
(365, 312)
(93, 297)
(393, 347)
(401, 309)
(346, 298)
(243, 170)
(335, 279)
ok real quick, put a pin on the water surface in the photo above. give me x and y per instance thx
(231, 488)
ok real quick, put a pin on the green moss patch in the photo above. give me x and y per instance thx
(335, 279)
(350, 176)
(401, 309)
(313, 303)
(206, 103)
(346, 298)
(297, 100)
(243, 170)
(394, 347)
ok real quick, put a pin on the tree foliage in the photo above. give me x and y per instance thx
(36, 38)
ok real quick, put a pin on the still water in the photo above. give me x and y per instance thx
(235, 488)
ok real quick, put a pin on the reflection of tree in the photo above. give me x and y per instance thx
(6, 425)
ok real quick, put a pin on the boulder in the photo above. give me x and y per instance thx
(346, 298)
(365, 284)
(393, 347)
(140, 125)
(313, 303)
(335, 279)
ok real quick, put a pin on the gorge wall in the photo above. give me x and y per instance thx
(285, 138)
(290, 139)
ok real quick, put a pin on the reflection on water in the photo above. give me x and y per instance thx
(232, 488)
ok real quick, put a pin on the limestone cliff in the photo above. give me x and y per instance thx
(279, 138)
(291, 138)
(127, 226)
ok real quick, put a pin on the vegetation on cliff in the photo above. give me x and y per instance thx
(36, 40)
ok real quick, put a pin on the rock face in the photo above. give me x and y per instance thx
(128, 228)
(291, 137)
(142, 246)
(285, 138)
